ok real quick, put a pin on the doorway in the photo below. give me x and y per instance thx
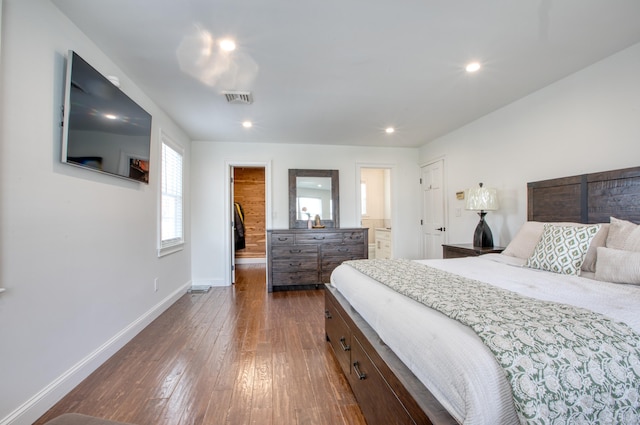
(433, 209)
(375, 208)
(249, 216)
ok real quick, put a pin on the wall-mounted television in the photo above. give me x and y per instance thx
(103, 129)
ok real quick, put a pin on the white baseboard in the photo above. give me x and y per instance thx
(42, 401)
(209, 282)
(251, 260)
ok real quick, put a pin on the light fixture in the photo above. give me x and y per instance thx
(389, 130)
(111, 116)
(482, 199)
(473, 66)
(247, 124)
(227, 45)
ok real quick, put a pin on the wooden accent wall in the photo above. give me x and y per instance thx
(249, 191)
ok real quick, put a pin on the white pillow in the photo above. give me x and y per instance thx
(562, 249)
(525, 241)
(618, 266)
(623, 235)
(600, 239)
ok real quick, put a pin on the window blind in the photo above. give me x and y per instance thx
(171, 228)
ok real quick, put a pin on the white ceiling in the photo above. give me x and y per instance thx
(340, 72)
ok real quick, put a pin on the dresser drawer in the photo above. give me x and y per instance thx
(295, 278)
(318, 238)
(282, 239)
(293, 251)
(370, 387)
(338, 335)
(356, 237)
(346, 251)
(295, 265)
(329, 265)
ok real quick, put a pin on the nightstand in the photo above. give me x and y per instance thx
(467, 250)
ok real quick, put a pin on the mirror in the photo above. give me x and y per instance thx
(313, 193)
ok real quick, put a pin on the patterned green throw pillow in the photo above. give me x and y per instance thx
(562, 249)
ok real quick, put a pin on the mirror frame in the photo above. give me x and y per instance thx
(294, 223)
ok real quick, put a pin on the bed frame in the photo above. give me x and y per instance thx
(386, 390)
(587, 198)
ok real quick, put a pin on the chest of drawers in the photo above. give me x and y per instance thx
(299, 258)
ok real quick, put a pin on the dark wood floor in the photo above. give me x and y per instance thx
(235, 355)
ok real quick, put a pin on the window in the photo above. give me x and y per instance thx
(171, 226)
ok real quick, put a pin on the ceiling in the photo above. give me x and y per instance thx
(340, 72)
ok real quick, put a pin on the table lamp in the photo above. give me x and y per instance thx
(482, 199)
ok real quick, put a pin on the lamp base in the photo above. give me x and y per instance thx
(482, 237)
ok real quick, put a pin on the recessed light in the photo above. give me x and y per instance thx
(227, 45)
(473, 66)
(110, 116)
(389, 130)
(247, 124)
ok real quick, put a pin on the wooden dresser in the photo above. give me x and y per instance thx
(298, 258)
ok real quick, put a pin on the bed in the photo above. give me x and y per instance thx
(408, 363)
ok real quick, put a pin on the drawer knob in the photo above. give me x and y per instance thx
(295, 251)
(359, 374)
(344, 346)
(283, 239)
(327, 314)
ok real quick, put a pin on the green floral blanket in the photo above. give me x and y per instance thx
(566, 365)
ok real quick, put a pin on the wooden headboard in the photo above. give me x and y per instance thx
(587, 198)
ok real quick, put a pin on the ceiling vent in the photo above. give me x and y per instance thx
(239, 97)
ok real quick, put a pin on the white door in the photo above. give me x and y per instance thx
(233, 224)
(433, 225)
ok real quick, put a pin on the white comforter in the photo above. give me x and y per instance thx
(448, 357)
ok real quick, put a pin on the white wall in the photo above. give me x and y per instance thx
(587, 122)
(210, 242)
(77, 248)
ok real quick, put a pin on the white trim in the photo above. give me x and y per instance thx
(431, 161)
(170, 249)
(37, 405)
(0, 28)
(228, 164)
(167, 248)
(212, 282)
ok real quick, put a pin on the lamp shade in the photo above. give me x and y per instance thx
(481, 199)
